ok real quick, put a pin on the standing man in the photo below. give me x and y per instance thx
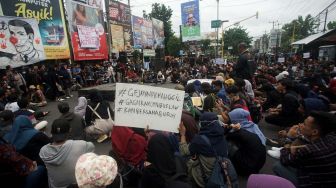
(245, 66)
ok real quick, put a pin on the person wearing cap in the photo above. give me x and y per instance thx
(61, 155)
(37, 97)
(96, 171)
(312, 164)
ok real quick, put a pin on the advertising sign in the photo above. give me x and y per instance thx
(50, 19)
(191, 29)
(20, 42)
(89, 14)
(119, 13)
(142, 33)
(158, 33)
(117, 38)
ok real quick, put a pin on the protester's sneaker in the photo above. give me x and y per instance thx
(274, 154)
(276, 148)
(67, 97)
(60, 99)
(102, 138)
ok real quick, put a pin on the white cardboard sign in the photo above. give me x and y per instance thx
(141, 105)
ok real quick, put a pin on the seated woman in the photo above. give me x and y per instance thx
(163, 169)
(200, 152)
(131, 76)
(37, 97)
(27, 140)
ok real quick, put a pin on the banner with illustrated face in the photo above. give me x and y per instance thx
(191, 29)
(158, 33)
(50, 19)
(87, 14)
(20, 42)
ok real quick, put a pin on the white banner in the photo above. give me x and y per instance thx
(140, 105)
(88, 37)
(20, 42)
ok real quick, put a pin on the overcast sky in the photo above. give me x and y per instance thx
(282, 11)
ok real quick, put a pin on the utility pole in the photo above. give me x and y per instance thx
(325, 20)
(217, 30)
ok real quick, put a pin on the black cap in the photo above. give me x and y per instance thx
(60, 130)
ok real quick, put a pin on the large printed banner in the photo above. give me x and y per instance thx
(142, 33)
(20, 42)
(85, 15)
(50, 18)
(158, 32)
(191, 29)
(140, 105)
(117, 33)
(119, 13)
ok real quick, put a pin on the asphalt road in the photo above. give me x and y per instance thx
(105, 147)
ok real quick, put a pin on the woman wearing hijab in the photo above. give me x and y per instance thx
(165, 170)
(264, 180)
(80, 109)
(240, 116)
(26, 139)
(201, 153)
(97, 102)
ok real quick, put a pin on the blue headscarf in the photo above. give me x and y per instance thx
(211, 128)
(21, 133)
(240, 115)
(197, 86)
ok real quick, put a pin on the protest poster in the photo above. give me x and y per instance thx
(140, 105)
(88, 37)
(190, 26)
(20, 42)
(281, 60)
(50, 18)
(117, 33)
(158, 33)
(90, 14)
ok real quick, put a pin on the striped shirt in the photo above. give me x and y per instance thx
(316, 163)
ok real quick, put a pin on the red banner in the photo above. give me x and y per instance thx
(89, 54)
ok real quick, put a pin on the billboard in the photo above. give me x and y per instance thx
(87, 16)
(118, 43)
(190, 26)
(50, 18)
(158, 33)
(142, 33)
(20, 42)
(119, 13)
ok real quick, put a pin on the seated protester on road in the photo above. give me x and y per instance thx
(201, 153)
(246, 151)
(6, 122)
(240, 116)
(19, 171)
(163, 169)
(209, 97)
(76, 122)
(95, 171)
(312, 164)
(197, 86)
(273, 97)
(96, 100)
(160, 77)
(219, 90)
(265, 180)
(37, 97)
(61, 155)
(27, 140)
(190, 124)
(240, 83)
(308, 105)
(12, 103)
(80, 109)
(190, 89)
(288, 114)
(235, 98)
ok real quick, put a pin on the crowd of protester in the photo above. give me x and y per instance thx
(218, 140)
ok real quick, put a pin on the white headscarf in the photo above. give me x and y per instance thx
(80, 109)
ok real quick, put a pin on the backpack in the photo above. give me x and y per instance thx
(223, 174)
(255, 109)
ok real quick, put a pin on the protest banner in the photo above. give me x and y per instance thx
(20, 42)
(88, 37)
(89, 14)
(191, 29)
(140, 105)
(49, 16)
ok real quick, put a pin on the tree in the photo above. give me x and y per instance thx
(302, 28)
(174, 46)
(163, 13)
(331, 25)
(205, 45)
(234, 36)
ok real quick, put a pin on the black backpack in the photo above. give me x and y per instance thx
(223, 174)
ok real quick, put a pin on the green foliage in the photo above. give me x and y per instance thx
(205, 45)
(163, 13)
(174, 46)
(331, 25)
(234, 36)
(303, 28)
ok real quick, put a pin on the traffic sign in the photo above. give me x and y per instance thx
(216, 23)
